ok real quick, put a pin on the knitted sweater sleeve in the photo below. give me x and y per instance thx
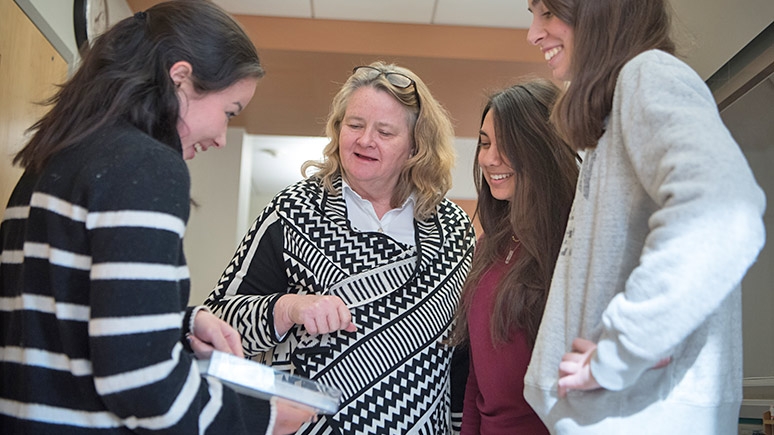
(706, 229)
(136, 213)
(251, 284)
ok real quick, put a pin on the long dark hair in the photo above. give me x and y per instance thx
(125, 76)
(606, 35)
(546, 171)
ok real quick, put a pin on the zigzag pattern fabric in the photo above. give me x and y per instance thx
(394, 370)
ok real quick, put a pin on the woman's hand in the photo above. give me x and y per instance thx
(211, 333)
(318, 314)
(575, 368)
(290, 416)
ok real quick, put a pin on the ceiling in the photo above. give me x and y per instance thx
(483, 13)
(462, 49)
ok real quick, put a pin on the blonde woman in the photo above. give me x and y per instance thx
(352, 276)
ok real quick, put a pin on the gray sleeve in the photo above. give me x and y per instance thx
(707, 227)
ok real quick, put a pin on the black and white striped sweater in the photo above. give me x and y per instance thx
(395, 372)
(94, 288)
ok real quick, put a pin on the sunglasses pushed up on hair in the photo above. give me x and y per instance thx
(399, 80)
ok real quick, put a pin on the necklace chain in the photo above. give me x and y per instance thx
(510, 253)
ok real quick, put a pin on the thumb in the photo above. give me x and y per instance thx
(201, 349)
(581, 345)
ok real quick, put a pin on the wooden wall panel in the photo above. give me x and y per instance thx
(29, 69)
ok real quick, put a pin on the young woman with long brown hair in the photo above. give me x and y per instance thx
(525, 177)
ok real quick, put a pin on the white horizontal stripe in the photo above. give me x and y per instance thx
(134, 325)
(144, 219)
(12, 257)
(141, 271)
(66, 311)
(45, 359)
(58, 206)
(56, 415)
(178, 409)
(57, 256)
(185, 398)
(140, 377)
(46, 304)
(105, 419)
(212, 408)
(21, 212)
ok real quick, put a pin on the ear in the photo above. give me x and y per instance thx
(180, 72)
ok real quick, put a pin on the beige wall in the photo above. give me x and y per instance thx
(220, 185)
(711, 32)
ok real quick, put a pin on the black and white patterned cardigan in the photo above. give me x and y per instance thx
(394, 371)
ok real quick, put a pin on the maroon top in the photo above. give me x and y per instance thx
(494, 396)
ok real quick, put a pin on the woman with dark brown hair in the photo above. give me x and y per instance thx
(525, 177)
(95, 333)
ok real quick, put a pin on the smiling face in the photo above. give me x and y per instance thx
(204, 117)
(495, 167)
(553, 36)
(374, 142)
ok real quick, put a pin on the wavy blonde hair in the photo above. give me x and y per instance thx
(427, 173)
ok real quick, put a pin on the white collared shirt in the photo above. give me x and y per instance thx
(397, 223)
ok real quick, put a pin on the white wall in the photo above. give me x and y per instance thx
(750, 121)
(54, 18)
(713, 31)
(221, 218)
(758, 300)
(462, 174)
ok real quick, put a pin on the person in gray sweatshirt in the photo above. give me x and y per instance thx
(642, 327)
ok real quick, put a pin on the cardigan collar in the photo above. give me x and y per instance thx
(429, 237)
